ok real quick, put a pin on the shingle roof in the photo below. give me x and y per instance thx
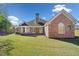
(24, 24)
(66, 14)
(35, 22)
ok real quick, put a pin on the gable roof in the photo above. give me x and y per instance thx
(24, 24)
(66, 14)
(36, 22)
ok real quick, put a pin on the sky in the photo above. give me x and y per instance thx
(19, 12)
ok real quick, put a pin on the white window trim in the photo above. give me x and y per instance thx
(63, 28)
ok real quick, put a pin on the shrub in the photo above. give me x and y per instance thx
(5, 47)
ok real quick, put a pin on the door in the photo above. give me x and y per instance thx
(36, 30)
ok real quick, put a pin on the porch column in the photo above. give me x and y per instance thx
(21, 30)
(25, 29)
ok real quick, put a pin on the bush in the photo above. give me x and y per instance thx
(5, 47)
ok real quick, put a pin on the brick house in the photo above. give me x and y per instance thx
(61, 26)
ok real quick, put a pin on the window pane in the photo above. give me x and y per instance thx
(23, 29)
(61, 29)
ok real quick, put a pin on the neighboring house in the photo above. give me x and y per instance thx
(35, 26)
(60, 26)
(77, 26)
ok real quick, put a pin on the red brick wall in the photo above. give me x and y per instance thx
(53, 27)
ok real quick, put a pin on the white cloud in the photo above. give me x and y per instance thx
(44, 17)
(14, 20)
(53, 14)
(59, 7)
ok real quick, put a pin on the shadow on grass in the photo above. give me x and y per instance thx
(31, 35)
(4, 33)
(70, 40)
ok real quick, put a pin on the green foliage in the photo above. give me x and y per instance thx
(5, 47)
(5, 25)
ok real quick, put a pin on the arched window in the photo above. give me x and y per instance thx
(61, 28)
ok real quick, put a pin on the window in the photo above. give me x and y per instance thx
(23, 29)
(33, 29)
(70, 27)
(61, 28)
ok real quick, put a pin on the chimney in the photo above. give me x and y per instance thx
(37, 16)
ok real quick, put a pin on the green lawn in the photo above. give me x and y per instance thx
(41, 46)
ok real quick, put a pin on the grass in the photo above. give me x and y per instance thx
(41, 46)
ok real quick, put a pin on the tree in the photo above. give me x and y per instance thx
(5, 25)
